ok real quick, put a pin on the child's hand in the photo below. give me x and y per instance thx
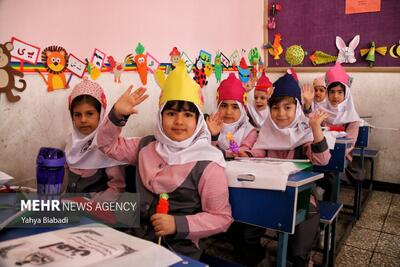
(126, 102)
(316, 118)
(164, 224)
(214, 124)
(242, 153)
(307, 94)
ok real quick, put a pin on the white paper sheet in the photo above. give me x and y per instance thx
(271, 175)
(92, 245)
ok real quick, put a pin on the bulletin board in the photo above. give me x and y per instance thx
(314, 24)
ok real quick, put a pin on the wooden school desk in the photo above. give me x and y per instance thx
(276, 210)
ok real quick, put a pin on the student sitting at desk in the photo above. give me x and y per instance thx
(314, 97)
(342, 113)
(89, 170)
(230, 127)
(178, 160)
(288, 134)
(258, 111)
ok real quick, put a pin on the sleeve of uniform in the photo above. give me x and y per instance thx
(249, 141)
(352, 132)
(112, 144)
(216, 214)
(318, 153)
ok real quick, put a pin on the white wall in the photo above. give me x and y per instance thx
(42, 119)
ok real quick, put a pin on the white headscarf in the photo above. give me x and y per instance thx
(344, 112)
(195, 148)
(258, 116)
(81, 150)
(240, 129)
(272, 137)
(316, 105)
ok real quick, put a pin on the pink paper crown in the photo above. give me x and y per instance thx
(337, 74)
(231, 89)
(86, 87)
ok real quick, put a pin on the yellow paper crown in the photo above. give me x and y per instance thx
(178, 86)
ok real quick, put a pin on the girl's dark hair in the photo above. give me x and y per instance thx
(85, 99)
(334, 84)
(180, 105)
(277, 99)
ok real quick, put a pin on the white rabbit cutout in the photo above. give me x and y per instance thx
(346, 53)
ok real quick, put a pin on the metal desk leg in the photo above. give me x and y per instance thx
(282, 249)
(336, 189)
(327, 233)
(332, 251)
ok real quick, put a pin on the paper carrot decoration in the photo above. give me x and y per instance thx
(162, 207)
(233, 146)
(141, 63)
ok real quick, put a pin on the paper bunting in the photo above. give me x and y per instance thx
(96, 63)
(199, 73)
(218, 67)
(205, 57)
(76, 66)
(175, 57)
(24, 51)
(7, 73)
(152, 63)
(188, 62)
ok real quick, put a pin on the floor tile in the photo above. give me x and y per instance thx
(383, 260)
(382, 197)
(363, 238)
(392, 225)
(389, 245)
(371, 221)
(351, 256)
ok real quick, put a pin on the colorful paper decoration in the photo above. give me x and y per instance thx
(162, 207)
(218, 69)
(235, 58)
(141, 63)
(225, 60)
(199, 73)
(208, 69)
(394, 50)
(24, 51)
(118, 67)
(187, 61)
(319, 58)
(205, 56)
(275, 49)
(7, 73)
(273, 9)
(370, 52)
(76, 66)
(346, 53)
(294, 55)
(95, 64)
(175, 57)
(55, 60)
(244, 72)
(152, 63)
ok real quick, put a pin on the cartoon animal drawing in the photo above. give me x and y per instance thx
(7, 73)
(199, 73)
(118, 67)
(346, 53)
(55, 60)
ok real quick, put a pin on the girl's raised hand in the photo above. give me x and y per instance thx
(126, 103)
(317, 117)
(307, 94)
(214, 124)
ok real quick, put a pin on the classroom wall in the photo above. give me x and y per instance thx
(42, 118)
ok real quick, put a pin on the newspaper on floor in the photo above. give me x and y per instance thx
(91, 245)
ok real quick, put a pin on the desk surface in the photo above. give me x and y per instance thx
(303, 177)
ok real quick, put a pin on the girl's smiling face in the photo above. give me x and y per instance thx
(319, 93)
(229, 111)
(284, 112)
(260, 100)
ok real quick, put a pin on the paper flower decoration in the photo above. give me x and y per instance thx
(233, 146)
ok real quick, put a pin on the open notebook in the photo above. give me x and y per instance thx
(263, 173)
(93, 245)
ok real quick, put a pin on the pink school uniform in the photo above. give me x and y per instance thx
(191, 171)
